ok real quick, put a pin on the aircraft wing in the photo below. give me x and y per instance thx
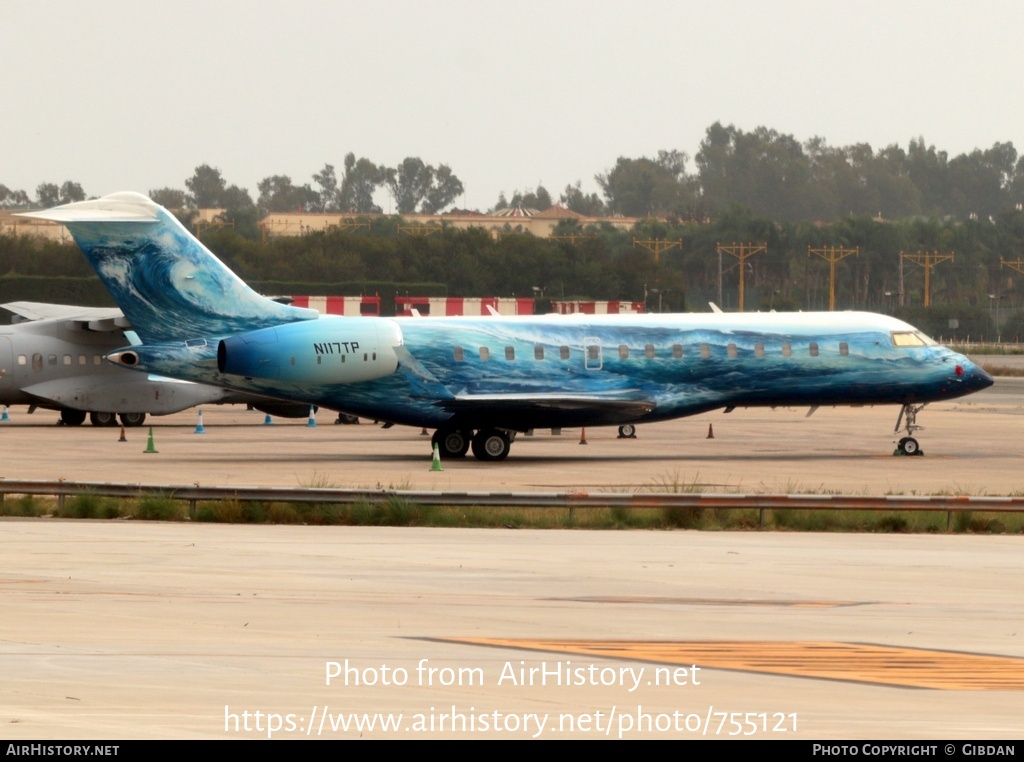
(546, 410)
(43, 311)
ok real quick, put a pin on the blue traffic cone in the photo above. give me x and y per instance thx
(312, 418)
(199, 425)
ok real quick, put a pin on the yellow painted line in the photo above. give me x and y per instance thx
(853, 662)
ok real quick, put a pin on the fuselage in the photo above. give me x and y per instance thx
(525, 372)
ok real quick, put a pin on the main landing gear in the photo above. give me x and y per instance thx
(487, 444)
(908, 445)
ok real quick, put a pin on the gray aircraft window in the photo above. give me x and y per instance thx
(22, 360)
(649, 351)
(538, 352)
(623, 352)
(758, 349)
(844, 349)
(787, 350)
(705, 351)
(563, 353)
(731, 349)
(593, 352)
(342, 359)
(677, 351)
(318, 359)
(812, 348)
(510, 353)
(485, 354)
(51, 359)
(97, 360)
(67, 359)
(83, 360)
(459, 357)
(37, 361)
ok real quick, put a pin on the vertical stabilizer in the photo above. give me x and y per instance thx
(166, 282)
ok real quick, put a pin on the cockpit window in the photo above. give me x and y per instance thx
(911, 339)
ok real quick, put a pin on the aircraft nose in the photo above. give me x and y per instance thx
(971, 376)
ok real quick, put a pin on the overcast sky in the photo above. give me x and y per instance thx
(134, 95)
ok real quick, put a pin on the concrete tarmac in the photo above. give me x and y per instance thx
(127, 629)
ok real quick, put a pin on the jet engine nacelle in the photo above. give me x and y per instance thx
(325, 351)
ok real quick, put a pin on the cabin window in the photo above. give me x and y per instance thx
(787, 350)
(563, 353)
(538, 352)
(812, 348)
(705, 351)
(485, 354)
(593, 352)
(67, 359)
(319, 359)
(623, 352)
(510, 353)
(844, 349)
(908, 339)
(342, 359)
(22, 360)
(37, 361)
(459, 357)
(677, 351)
(97, 360)
(364, 357)
(731, 351)
(51, 359)
(83, 360)
(649, 351)
(374, 356)
(758, 349)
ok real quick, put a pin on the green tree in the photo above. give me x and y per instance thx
(206, 188)
(327, 196)
(639, 187)
(278, 194)
(361, 180)
(415, 184)
(13, 199)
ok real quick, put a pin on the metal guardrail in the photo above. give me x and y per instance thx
(195, 494)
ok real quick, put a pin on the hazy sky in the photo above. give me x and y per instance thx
(134, 95)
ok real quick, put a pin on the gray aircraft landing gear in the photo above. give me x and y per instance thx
(908, 445)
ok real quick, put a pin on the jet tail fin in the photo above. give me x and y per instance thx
(167, 283)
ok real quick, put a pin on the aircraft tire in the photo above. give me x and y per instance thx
(132, 419)
(103, 419)
(491, 444)
(451, 443)
(628, 431)
(72, 417)
(910, 446)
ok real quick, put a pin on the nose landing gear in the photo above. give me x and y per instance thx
(908, 445)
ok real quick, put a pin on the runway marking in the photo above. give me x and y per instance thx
(851, 662)
(712, 601)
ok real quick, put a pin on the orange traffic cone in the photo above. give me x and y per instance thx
(711, 432)
(583, 435)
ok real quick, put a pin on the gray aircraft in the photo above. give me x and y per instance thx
(53, 357)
